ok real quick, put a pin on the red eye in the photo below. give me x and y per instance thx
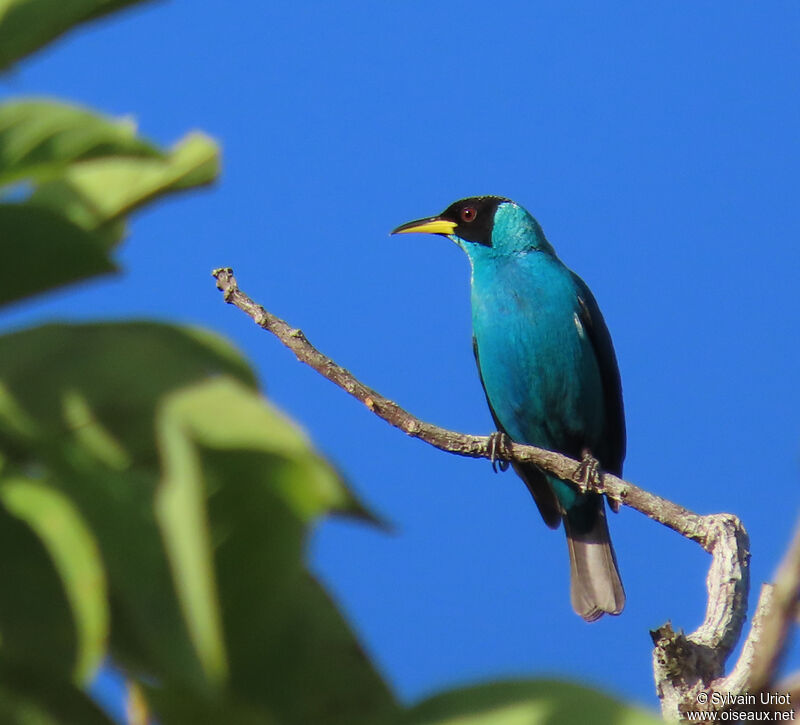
(468, 214)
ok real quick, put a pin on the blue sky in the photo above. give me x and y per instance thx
(657, 145)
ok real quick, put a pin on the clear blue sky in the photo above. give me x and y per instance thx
(658, 146)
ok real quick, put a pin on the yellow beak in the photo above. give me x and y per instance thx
(433, 225)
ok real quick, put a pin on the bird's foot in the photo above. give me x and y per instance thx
(587, 474)
(499, 443)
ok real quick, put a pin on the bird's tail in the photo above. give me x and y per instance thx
(596, 587)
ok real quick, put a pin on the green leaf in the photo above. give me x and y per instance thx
(537, 702)
(97, 194)
(244, 483)
(74, 553)
(119, 370)
(280, 626)
(174, 706)
(63, 232)
(27, 25)
(231, 420)
(223, 415)
(36, 624)
(41, 250)
(79, 403)
(39, 138)
(180, 506)
(209, 591)
(36, 697)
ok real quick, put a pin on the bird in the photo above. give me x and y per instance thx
(549, 372)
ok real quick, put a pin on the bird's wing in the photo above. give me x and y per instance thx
(533, 477)
(595, 326)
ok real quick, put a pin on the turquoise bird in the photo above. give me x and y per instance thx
(548, 368)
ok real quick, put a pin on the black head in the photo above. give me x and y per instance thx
(470, 219)
(474, 217)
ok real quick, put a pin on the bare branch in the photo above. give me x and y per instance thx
(739, 677)
(683, 664)
(695, 527)
(791, 686)
(780, 611)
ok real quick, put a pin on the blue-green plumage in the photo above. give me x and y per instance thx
(549, 373)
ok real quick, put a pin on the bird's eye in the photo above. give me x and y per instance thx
(468, 214)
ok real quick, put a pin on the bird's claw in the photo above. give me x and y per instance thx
(587, 474)
(499, 442)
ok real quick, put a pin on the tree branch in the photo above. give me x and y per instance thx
(684, 665)
(779, 605)
(701, 529)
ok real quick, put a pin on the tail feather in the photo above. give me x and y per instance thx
(596, 587)
(542, 492)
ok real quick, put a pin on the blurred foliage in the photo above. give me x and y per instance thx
(27, 25)
(154, 507)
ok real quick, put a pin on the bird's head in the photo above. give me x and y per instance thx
(483, 225)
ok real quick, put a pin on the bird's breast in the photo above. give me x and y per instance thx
(536, 361)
